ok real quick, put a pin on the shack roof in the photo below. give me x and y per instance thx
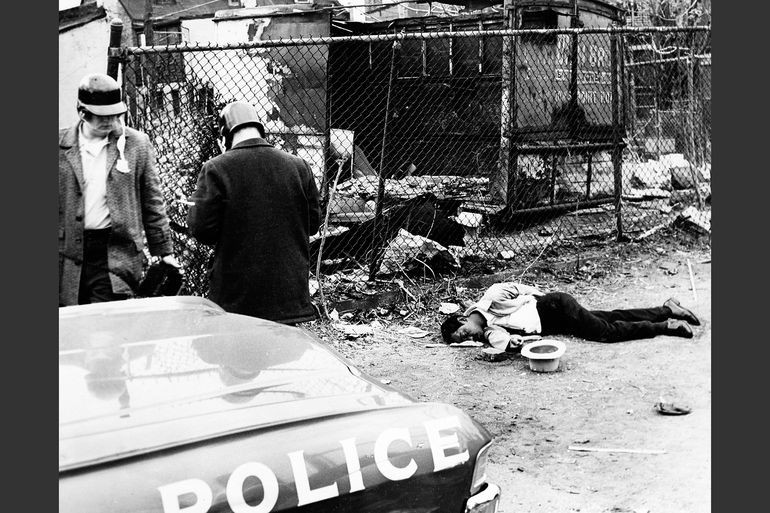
(608, 8)
(174, 11)
(79, 15)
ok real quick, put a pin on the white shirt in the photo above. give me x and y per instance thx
(508, 306)
(93, 155)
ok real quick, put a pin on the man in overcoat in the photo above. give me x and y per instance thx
(257, 206)
(109, 200)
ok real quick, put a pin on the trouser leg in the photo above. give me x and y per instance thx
(654, 314)
(561, 314)
(95, 285)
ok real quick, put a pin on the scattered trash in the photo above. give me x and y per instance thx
(414, 332)
(406, 247)
(385, 381)
(466, 343)
(506, 255)
(492, 354)
(669, 270)
(605, 449)
(334, 315)
(695, 219)
(652, 174)
(652, 230)
(449, 308)
(523, 339)
(692, 281)
(470, 219)
(354, 330)
(582, 441)
(435, 345)
(672, 408)
(471, 223)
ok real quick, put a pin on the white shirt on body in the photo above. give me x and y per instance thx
(507, 306)
(93, 155)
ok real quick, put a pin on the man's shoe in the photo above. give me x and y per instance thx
(680, 312)
(678, 328)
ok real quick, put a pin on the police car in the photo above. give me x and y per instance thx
(172, 405)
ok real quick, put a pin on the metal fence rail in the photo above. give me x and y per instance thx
(429, 148)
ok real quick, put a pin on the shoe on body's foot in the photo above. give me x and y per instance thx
(680, 312)
(678, 328)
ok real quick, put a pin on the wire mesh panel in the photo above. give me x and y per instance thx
(432, 147)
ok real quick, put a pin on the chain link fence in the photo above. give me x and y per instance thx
(430, 148)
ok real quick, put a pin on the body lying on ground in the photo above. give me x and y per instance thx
(509, 310)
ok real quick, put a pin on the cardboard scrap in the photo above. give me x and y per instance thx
(466, 343)
(448, 308)
(699, 219)
(407, 246)
(414, 332)
(353, 330)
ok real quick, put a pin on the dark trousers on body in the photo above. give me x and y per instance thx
(561, 314)
(95, 285)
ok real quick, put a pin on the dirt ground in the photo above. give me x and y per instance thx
(602, 396)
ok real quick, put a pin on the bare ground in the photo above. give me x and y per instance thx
(602, 396)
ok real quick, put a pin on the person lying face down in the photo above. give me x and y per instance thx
(508, 310)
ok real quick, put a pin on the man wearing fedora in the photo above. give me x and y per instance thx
(109, 200)
(258, 206)
(507, 311)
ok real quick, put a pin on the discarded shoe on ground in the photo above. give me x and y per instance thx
(672, 409)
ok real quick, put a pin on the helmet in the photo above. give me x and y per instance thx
(236, 115)
(100, 94)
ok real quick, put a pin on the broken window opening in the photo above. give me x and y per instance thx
(541, 19)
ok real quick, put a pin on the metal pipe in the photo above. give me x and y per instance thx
(617, 163)
(500, 181)
(113, 59)
(374, 264)
(565, 206)
(401, 36)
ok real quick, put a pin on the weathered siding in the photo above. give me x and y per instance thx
(82, 50)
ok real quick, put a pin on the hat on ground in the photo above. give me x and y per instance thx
(100, 94)
(237, 115)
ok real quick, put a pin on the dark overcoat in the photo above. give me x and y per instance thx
(258, 206)
(136, 208)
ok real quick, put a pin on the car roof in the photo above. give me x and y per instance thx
(145, 374)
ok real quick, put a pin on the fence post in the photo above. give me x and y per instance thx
(630, 92)
(617, 163)
(116, 31)
(324, 189)
(501, 182)
(378, 235)
(691, 103)
(690, 118)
